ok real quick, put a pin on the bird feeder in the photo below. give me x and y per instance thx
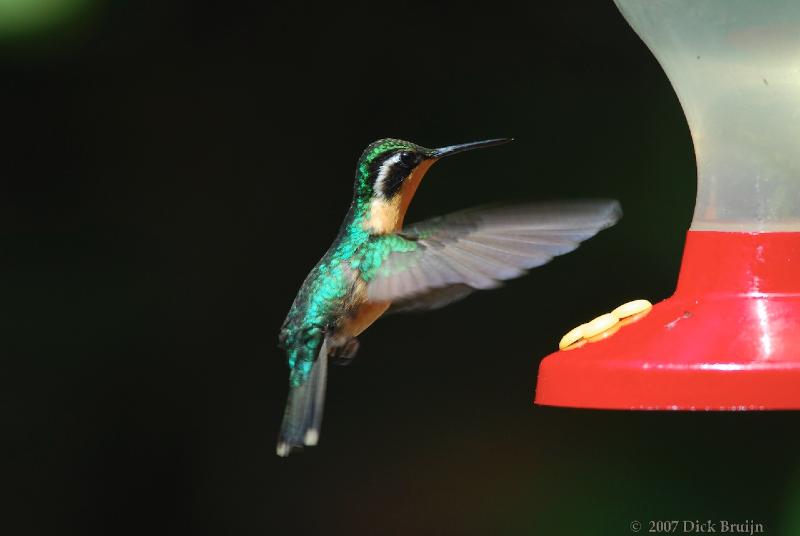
(729, 337)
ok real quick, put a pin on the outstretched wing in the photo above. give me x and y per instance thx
(450, 256)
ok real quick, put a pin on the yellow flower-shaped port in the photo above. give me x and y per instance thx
(631, 308)
(605, 325)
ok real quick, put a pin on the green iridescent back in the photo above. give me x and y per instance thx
(355, 253)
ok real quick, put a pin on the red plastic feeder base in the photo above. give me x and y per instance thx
(728, 339)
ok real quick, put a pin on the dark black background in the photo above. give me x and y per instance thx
(175, 169)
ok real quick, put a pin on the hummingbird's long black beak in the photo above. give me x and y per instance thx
(454, 149)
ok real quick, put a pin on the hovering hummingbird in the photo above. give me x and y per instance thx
(376, 265)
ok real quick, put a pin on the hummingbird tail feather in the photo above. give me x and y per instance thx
(303, 415)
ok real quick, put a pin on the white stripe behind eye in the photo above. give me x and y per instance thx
(383, 173)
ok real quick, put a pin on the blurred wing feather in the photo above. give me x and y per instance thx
(479, 248)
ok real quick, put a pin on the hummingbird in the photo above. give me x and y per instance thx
(377, 265)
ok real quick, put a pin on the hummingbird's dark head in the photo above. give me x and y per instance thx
(389, 172)
(386, 165)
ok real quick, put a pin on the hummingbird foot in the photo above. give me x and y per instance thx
(343, 355)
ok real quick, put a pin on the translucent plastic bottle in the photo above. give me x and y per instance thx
(735, 65)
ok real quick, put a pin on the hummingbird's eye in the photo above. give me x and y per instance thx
(408, 159)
